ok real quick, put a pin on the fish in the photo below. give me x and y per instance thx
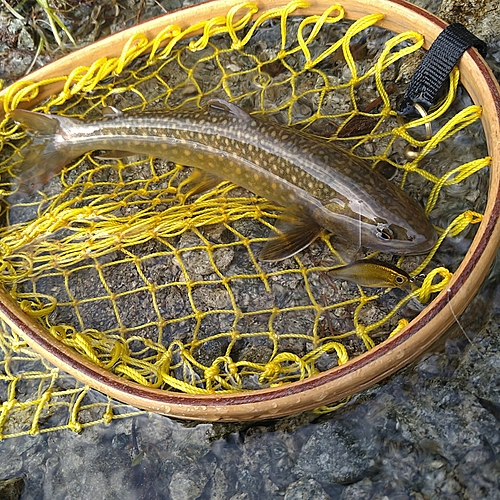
(319, 185)
(373, 273)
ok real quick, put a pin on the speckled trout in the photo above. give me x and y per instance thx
(319, 184)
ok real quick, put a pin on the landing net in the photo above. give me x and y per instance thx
(114, 261)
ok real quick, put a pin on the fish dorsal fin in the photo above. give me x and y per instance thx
(222, 105)
(200, 181)
(297, 230)
(111, 112)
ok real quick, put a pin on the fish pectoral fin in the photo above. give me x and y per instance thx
(199, 182)
(358, 255)
(113, 154)
(222, 105)
(297, 233)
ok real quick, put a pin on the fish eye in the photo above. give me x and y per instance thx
(399, 280)
(385, 234)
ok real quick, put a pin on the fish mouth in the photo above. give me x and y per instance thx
(415, 239)
(418, 246)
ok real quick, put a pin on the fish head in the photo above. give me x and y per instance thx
(403, 237)
(387, 274)
(399, 280)
(398, 229)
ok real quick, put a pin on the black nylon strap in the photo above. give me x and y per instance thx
(436, 66)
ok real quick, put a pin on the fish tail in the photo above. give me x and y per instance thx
(46, 154)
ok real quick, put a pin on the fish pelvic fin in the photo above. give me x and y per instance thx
(43, 157)
(199, 182)
(297, 232)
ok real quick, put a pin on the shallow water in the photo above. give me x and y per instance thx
(430, 431)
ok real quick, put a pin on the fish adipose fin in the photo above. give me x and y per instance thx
(44, 158)
(111, 112)
(297, 232)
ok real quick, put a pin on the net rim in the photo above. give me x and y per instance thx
(358, 373)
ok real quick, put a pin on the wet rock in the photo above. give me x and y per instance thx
(438, 438)
(482, 18)
(219, 487)
(11, 489)
(16, 452)
(77, 467)
(479, 472)
(361, 489)
(306, 488)
(189, 482)
(264, 467)
(337, 452)
(186, 445)
(479, 370)
(456, 421)
(240, 496)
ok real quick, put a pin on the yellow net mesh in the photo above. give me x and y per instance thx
(113, 260)
(36, 397)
